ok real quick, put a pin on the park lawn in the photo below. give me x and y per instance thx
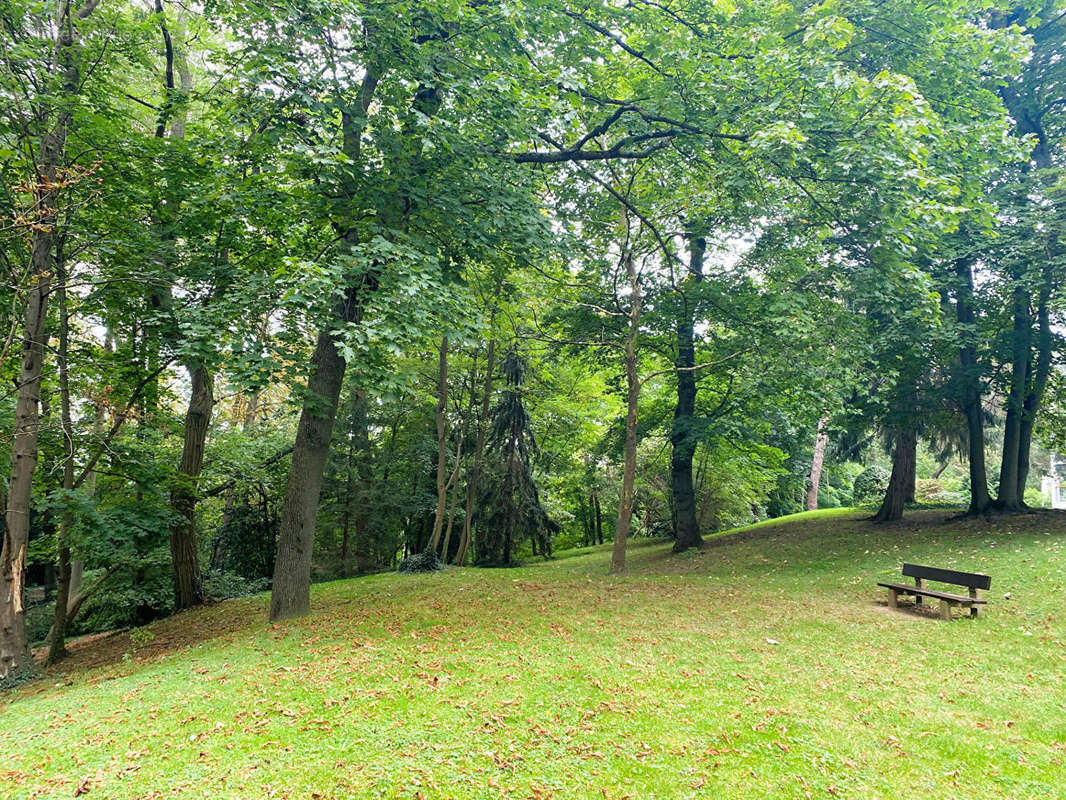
(764, 666)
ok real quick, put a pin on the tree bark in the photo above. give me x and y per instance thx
(1038, 384)
(474, 477)
(683, 435)
(629, 471)
(980, 500)
(820, 440)
(14, 646)
(57, 635)
(442, 445)
(903, 461)
(1027, 381)
(365, 555)
(1009, 498)
(188, 582)
(291, 591)
(599, 518)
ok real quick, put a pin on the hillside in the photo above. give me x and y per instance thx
(765, 666)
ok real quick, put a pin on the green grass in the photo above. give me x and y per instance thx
(765, 666)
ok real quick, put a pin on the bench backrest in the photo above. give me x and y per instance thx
(971, 579)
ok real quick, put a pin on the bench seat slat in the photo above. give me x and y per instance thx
(972, 580)
(904, 588)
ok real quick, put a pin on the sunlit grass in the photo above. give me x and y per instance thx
(764, 666)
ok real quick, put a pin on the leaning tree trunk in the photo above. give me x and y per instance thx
(820, 440)
(290, 594)
(188, 582)
(629, 471)
(902, 468)
(683, 435)
(14, 646)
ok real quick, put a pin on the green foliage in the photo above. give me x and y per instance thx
(510, 510)
(932, 492)
(870, 485)
(220, 585)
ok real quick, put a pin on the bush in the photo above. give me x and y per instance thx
(932, 492)
(427, 561)
(39, 620)
(219, 585)
(869, 487)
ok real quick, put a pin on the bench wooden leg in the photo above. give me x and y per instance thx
(945, 609)
(973, 610)
(893, 598)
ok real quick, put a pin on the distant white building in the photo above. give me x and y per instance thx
(1053, 486)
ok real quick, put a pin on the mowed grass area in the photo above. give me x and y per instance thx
(765, 666)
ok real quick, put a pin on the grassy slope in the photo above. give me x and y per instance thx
(764, 666)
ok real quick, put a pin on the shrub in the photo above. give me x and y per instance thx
(427, 561)
(870, 485)
(220, 585)
(932, 492)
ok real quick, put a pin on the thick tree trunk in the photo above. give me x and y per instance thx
(291, 591)
(683, 435)
(1009, 499)
(629, 471)
(188, 582)
(821, 438)
(903, 461)
(980, 500)
(910, 480)
(442, 445)
(1038, 384)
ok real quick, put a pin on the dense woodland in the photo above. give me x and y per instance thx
(297, 290)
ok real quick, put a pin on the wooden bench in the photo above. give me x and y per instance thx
(921, 574)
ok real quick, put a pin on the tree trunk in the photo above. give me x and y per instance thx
(290, 594)
(474, 477)
(442, 445)
(583, 515)
(188, 582)
(57, 635)
(629, 471)
(910, 480)
(451, 522)
(980, 500)
(1009, 498)
(365, 554)
(356, 420)
(1035, 392)
(902, 467)
(14, 646)
(599, 518)
(683, 435)
(820, 440)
